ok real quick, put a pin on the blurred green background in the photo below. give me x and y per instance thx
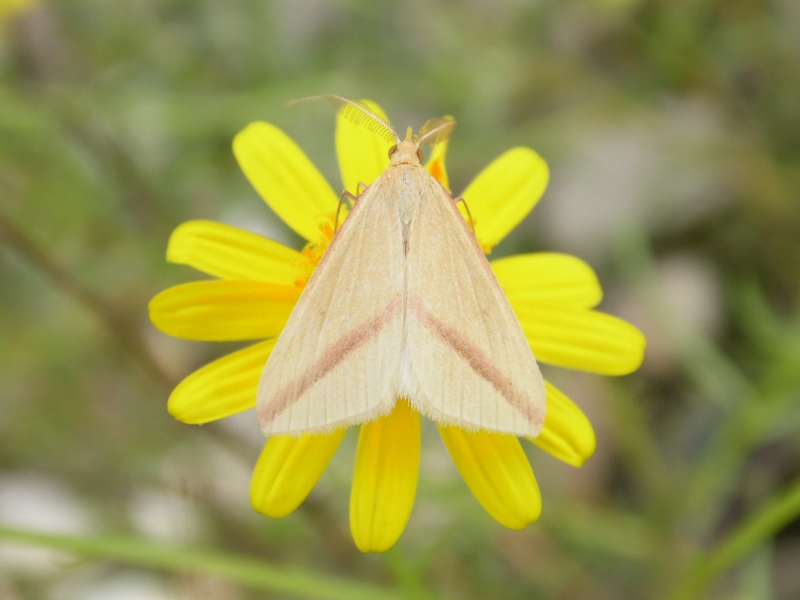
(672, 128)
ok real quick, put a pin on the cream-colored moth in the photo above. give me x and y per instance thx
(403, 304)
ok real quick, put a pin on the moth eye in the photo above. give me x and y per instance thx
(420, 155)
(392, 150)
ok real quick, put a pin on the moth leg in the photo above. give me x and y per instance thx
(345, 194)
(361, 186)
(469, 214)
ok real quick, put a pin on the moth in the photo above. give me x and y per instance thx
(403, 304)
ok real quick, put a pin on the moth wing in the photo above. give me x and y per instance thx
(470, 363)
(334, 362)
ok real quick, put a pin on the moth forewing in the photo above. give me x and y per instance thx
(471, 364)
(334, 361)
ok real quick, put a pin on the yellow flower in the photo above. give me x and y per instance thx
(259, 281)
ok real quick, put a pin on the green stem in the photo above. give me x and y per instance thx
(238, 569)
(776, 513)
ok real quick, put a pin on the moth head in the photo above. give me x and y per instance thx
(407, 148)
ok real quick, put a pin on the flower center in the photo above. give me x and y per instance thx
(313, 251)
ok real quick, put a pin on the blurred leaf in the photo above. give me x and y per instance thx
(774, 514)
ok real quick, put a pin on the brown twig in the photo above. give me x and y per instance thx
(120, 326)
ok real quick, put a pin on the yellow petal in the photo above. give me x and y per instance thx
(504, 192)
(567, 433)
(436, 163)
(548, 278)
(581, 339)
(286, 179)
(363, 154)
(498, 473)
(288, 469)
(223, 310)
(385, 478)
(221, 388)
(231, 253)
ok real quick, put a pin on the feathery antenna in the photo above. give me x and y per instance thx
(357, 112)
(435, 130)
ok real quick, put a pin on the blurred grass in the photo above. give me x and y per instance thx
(672, 133)
(243, 570)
